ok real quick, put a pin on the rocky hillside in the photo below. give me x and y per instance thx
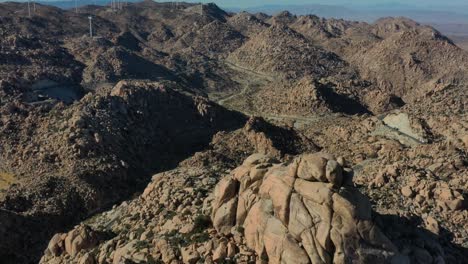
(367, 63)
(304, 210)
(360, 136)
(95, 152)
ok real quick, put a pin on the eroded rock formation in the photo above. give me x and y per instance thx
(302, 211)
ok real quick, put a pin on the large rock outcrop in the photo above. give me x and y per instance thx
(303, 211)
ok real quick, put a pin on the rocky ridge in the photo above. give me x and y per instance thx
(299, 213)
(303, 210)
(84, 161)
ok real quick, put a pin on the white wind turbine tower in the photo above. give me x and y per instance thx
(29, 8)
(76, 6)
(90, 26)
(175, 5)
(115, 4)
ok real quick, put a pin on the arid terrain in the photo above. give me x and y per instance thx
(461, 41)
(457, 32)
(182, 133)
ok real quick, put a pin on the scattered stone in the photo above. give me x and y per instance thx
(407, 192)
(220, 253)
(189, 255)
(432, 225)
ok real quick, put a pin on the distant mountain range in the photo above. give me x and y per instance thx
(435, 15)
(71, 3)
(451, 20)
(430, 15)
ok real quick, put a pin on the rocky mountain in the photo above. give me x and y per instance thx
(282, 139)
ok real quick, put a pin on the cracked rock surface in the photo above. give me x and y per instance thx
(302, 211)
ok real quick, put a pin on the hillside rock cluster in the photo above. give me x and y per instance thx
(303, 210)
(182, 135)
(299, 213)
(86, 156)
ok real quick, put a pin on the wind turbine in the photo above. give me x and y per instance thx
(114, 5)
(90, 26)
(29, 9)
(76, 6)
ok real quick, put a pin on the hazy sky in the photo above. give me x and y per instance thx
(419, 3)
(256, 3)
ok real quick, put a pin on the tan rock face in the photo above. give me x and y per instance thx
(78, 239)
(56, 245)
(190, 255)
(299, 212)
(464, 139)
(312, 168)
